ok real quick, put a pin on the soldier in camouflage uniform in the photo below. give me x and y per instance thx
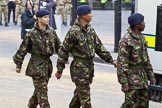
(36, 5)
(20, 7)
(134, 68)
(60, 9)
(82, 42)
(67, 11)
(41, 42)
(4, 10)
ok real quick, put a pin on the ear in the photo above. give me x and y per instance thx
(38, 18)
(138, 25)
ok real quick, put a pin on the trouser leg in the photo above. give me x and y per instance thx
(144, 98)
(40, 94)
(136, 99)
(82, 94)
(0, 15)
(75, 102)
(9, 13)
(33, 102)
(14, 15)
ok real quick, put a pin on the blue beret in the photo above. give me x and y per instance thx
(42, 12)
(83, 9)
(135, 19)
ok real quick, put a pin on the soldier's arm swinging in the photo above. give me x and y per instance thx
(22, 51)
(63, 54)
(122, 70)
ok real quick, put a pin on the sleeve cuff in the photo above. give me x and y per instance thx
(18, 66)
(125, 85)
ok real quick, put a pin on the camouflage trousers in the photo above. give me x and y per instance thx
(81, 96)
(67, 11)
(4, 11)
(40, 95)
(60, 11)
(19, 10)
(136, 99)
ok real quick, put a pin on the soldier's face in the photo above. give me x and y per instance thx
(141, 26)
(44, 20)
(88, 17)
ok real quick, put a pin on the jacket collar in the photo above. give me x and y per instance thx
(86, 28)
(36, 26)
(135, 36)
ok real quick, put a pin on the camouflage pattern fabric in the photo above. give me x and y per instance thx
(81, 96)
(82, 43)
(136, 99)
(3, 11)
(41, 45)
(67, 9)
(40, 93)
(134, 68)
(20, 8)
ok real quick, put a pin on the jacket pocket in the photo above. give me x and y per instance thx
(41, 69)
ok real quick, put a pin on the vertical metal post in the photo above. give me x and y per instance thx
(73, 14)
(117, 24)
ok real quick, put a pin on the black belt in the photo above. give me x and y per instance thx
(39, 56)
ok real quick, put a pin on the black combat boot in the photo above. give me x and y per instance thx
(6, 24)
(65, 23)
(15, 22)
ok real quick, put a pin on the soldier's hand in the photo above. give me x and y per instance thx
(125, 89)
(152, 81)
(67, 62)
(35, 17)
(115, 63)
(58, 75)
(18, 70)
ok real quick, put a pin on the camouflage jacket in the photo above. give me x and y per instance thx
(3, 2)
(41, 45)
(134, 65)
(82, 43)
(20, 2)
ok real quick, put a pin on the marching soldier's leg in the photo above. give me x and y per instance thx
(62, 14)
(143, 98)
(40, 85)
(65, 14)
(75, 102)
(22, 9)
(131, 99)
(33, 102)
(83, 90)
(1, 15)
(17, 13)
(5, 10)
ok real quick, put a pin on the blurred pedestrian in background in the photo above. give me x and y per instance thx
(48, 5)
(67, 11)
(133, 7)
(60, 9)
(36, 5)
(103, 2)
(20, 7)
(28, 18)
(4, 11)
(11, 8)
